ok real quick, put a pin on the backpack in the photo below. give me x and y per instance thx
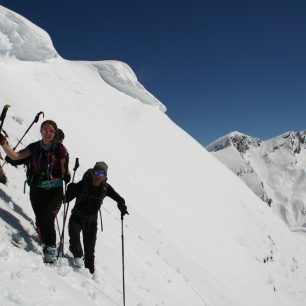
(37, 153)
(27, 162)
(86, 178)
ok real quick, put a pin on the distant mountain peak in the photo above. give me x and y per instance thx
(240, 141)
(274, 169)
(290, 140)
(300, 136)
(296, 136)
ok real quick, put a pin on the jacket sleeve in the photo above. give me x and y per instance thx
(110, 192)
(73, 190)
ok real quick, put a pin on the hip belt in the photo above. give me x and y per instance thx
(55, 183)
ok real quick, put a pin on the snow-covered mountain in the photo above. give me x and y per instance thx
(196, 235)
(274, 169)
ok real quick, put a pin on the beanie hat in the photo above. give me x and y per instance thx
(101, 166)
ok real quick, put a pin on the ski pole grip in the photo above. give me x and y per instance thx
(37, 116)
(3, 115)
(4, 111)
(76, 165)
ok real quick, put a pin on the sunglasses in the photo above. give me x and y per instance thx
(98, 173)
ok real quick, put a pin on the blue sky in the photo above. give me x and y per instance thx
(218, 66)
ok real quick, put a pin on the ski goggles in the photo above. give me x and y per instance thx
(98, 173)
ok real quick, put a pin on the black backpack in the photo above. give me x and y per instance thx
(27, 162)
(86, 178)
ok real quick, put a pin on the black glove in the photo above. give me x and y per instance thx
(67, 178)
(2, 139)
(123, 209)
(17, 162)
(9, 160)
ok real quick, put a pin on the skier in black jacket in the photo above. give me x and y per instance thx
(89, 194)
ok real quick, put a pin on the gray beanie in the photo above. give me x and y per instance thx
(101, 166)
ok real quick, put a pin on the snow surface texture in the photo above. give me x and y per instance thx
(196, 234)
(121, 76)
(273, 169)
(21, 39)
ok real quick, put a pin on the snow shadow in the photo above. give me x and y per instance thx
(14, 222)
(6, 198)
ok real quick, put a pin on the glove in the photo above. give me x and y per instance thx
(67, 178)
(10, 161)
(123, 209)
(2, 139)
(17, 162)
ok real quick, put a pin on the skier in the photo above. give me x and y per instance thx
(48, 164)
(89, 194)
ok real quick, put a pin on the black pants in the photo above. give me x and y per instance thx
(88, 226)
(46, 204)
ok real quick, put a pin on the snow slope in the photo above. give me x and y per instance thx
(274, 169)
(196, 235)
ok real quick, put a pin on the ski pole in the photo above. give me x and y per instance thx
(101, 219)
(34, 121)
(3, 115)
(61, 245)
(122, 247)
(76, 166)
(58, 228)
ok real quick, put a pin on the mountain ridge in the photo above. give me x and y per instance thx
(260, 163)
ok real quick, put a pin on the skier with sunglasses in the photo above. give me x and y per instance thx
(89, 194)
